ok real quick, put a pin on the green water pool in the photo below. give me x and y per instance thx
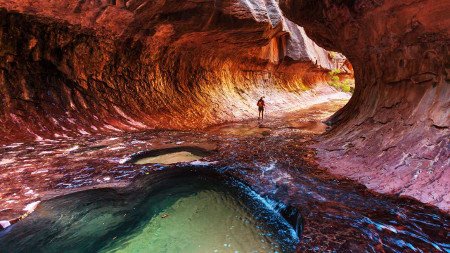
(176, 215)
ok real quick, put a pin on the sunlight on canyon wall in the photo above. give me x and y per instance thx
(71, 68)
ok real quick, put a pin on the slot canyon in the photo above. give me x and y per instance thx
(133, 126)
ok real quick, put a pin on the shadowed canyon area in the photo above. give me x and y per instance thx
(149, 109)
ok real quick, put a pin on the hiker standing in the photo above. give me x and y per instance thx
(261, 105)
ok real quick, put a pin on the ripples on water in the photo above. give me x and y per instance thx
(339, 215)
(180, 215)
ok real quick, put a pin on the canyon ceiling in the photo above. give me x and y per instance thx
(91, 66)
(96, 66)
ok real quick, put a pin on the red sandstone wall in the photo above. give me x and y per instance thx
(393, 135)
(71, 68)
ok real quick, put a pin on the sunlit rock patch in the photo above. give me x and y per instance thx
(169, 155)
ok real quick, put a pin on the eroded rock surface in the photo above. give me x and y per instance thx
(77, 67)
(70, 68)
(393, 135)
(339, 215)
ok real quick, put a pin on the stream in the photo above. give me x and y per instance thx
(78, 179)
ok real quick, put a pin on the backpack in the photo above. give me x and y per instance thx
(260, 103)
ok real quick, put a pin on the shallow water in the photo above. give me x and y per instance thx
(339, 215)
(188, 215)
(176, 157)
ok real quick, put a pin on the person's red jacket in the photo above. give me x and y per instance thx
(260, 103)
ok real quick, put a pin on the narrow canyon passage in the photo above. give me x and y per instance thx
(132, 119)
(33, 169)
(331, 210)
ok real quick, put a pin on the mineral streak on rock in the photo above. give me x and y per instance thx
(71, 68)
(393, 135)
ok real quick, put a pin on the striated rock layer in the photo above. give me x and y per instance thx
(393, 135)
(93, 66)
(78, 67)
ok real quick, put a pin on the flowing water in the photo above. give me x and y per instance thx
(178, 215)
(337, 215)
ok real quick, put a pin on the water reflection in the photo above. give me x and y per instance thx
(191, 214)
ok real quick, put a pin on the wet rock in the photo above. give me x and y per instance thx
(399, 113)
(334, 210)
(4, 224)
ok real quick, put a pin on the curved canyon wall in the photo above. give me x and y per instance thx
(393, 135)
(79, 67)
